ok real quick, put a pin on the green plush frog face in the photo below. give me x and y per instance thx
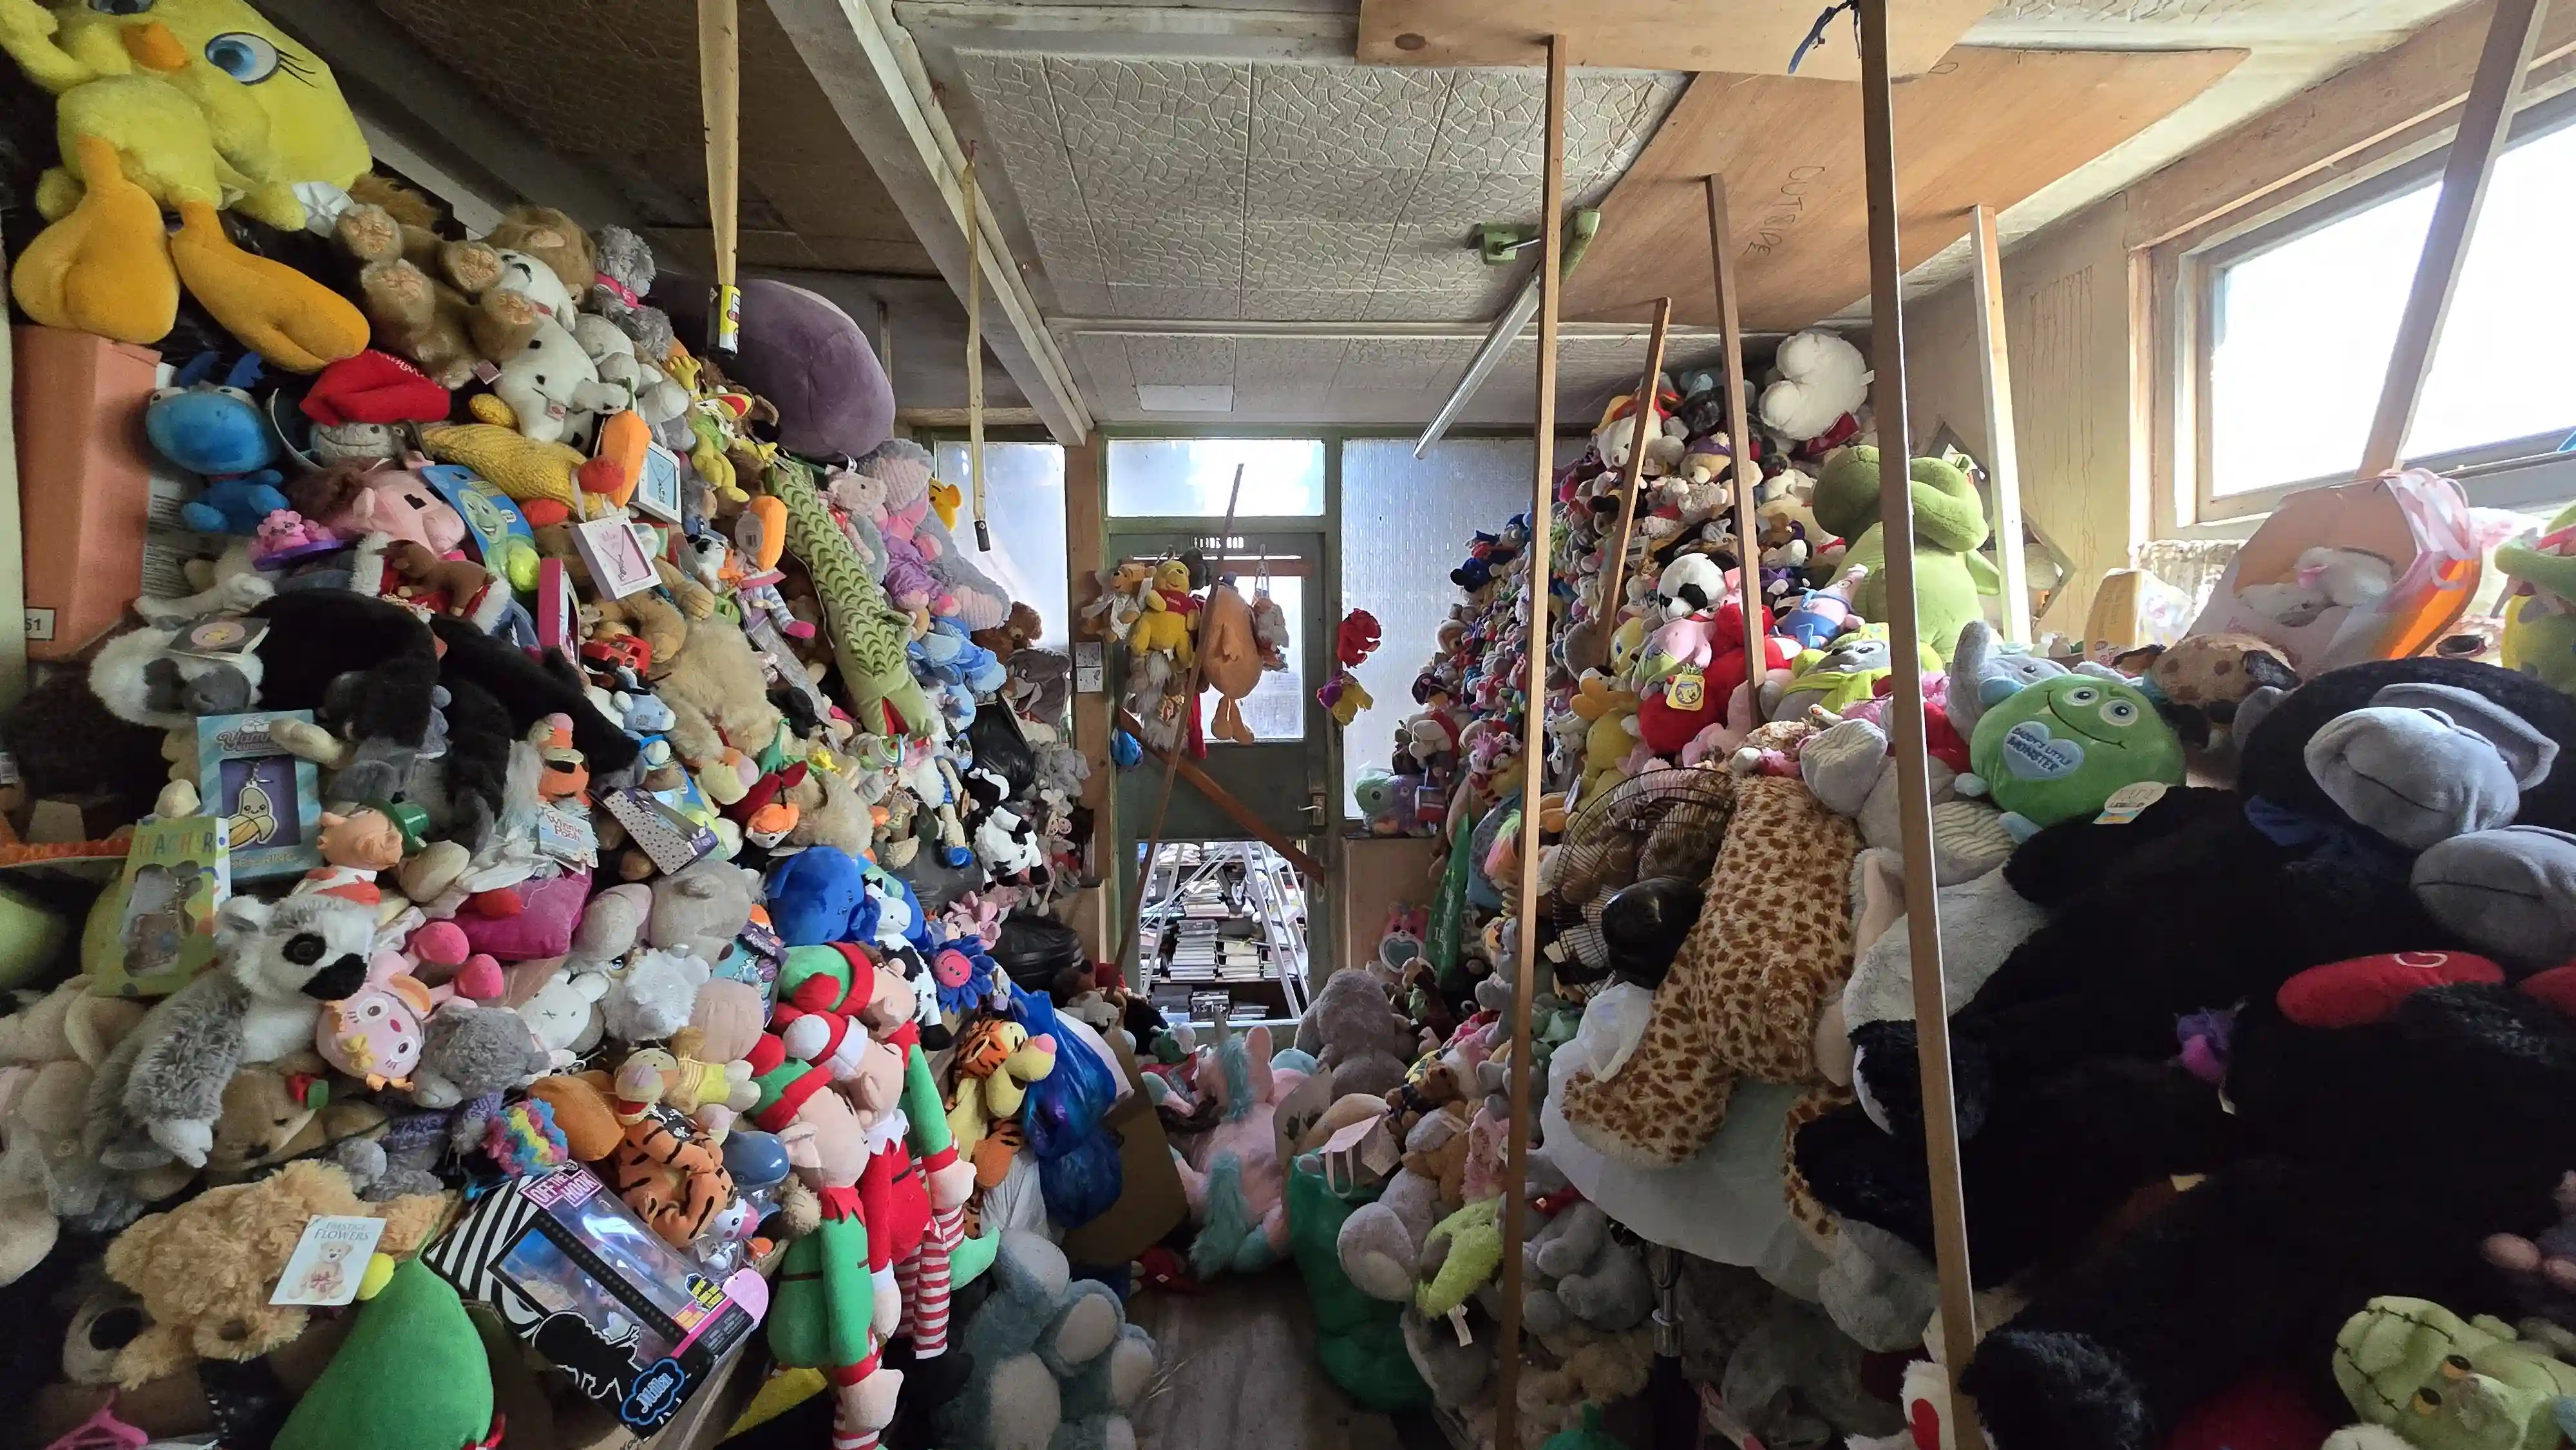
(2059, 748)
(2444, 1383)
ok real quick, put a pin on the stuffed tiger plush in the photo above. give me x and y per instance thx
(672, 1181)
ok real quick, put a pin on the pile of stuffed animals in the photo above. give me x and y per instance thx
(572, 760)
(2218, 934)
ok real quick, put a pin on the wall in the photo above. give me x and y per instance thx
(2066, 325)
(1379, 873)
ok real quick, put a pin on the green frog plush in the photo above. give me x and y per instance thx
(2063, 746)
(1949, 529)
(2444, 1383)
(2540, 614)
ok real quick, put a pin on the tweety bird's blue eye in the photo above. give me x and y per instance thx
(248, 59)
(120, 7)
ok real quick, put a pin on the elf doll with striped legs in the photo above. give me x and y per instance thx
(916, 1180)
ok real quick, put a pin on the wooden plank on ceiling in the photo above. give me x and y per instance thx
(1747, 37)
(1986, 126)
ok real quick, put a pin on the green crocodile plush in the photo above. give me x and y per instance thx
(1949, 529)
(868, 636)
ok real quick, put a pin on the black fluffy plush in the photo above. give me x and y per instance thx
(2377, 1158)
(531, 691)
(316, 636)
(479, 736)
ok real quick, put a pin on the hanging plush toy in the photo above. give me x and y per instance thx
(187, 106)
(1169, 617)
(1229, 659)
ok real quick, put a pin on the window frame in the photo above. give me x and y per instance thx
(2506, 473)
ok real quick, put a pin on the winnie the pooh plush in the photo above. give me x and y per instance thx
(1949, 529)
(1166, 620)
(188, 106)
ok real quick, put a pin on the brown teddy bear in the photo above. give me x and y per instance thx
(464, 584)
(552, 238)
(274, 1112)
(1020, 630)
(204, 1270)
(428, 299)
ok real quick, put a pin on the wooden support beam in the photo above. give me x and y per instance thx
(1721, 253)
(1614, 586)
(2003, 454)
(1533, 749)
(1913, 764)
(2511, 35)
(1225, 800)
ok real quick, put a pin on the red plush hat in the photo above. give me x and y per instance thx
(374, 387)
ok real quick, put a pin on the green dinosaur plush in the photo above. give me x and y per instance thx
(1949, 528)
(2443, 1383)
(869, 638)
(2540, 616)
(2058, 748)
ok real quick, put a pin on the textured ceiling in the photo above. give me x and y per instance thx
(1285, 191)
(1359, 380)
(628, 108)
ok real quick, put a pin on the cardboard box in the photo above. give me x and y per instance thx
(84, 482)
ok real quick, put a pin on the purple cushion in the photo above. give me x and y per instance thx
(544, 929)
(804, 354)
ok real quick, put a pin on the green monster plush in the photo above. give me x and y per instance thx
(2059, 748)
(2442, 1383)
(410, 1376)
(2540, 615)
(1949, 528)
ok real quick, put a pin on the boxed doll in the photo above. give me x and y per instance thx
(627, 1319)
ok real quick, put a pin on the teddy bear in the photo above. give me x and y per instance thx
(1576, 1271)
(418, 291)
(470, 1052)
(623, 279)
(1380, 1244)
(1054, 1360)
(271, 1116)
(48, 1052)
(158, 1093)
(205, 1270)
(1356, 1033)
(1822, 380)
(700, 910)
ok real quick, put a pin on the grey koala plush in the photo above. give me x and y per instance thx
(157, 1095)
(626, 274)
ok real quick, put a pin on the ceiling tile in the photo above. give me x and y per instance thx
(1281, 305)
(1320, 191)
(1186, 111)
(1106, 359)
(1325, 256)
(1277, 365)
(1078, 299)
(1173, 251)
(1181, 360)
(1403, 306)
(1424, 259)
(1126, 300)
(1350, 116)
(1011, 95)
(1069, 250)
(1402, 364)
(1493, 120)
(1460, 199)
(1158, 184)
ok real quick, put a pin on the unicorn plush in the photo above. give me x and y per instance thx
(1231, 1174)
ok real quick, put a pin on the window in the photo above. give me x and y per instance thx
(1024, 506)
(1405, 524)
(2299, 318)
(1192, 477)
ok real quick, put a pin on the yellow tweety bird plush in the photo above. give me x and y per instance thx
(189, 106)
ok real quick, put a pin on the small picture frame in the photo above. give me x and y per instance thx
(657, 492)
(616, 555)
(269, 799)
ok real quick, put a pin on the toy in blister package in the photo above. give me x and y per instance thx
(628, 1320)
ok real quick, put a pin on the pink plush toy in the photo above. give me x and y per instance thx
(1231, 1174)
(375, 1035)
(351, 500)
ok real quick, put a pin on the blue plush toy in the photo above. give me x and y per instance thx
(820, 895)
(216, 430)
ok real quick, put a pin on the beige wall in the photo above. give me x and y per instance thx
(2066, 323)
(1379, 873)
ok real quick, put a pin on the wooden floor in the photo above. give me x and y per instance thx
(1239, 1369)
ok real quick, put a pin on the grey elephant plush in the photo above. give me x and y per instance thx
(1056, 1364)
